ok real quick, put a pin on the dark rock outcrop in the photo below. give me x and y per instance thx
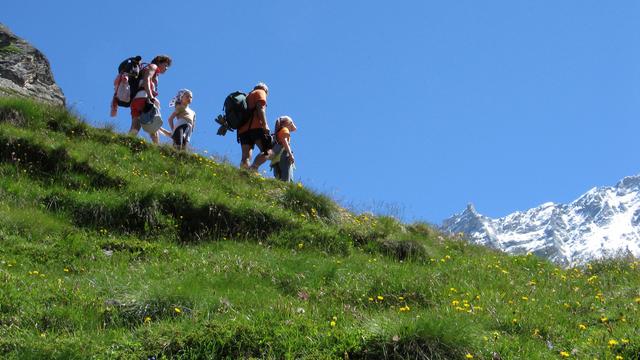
(25, 71)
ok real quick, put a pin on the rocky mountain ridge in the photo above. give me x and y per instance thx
(25, 71)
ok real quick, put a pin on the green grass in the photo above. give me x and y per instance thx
(112, 248)
(10, 49)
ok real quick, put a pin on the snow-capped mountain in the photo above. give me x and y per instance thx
(604, 221)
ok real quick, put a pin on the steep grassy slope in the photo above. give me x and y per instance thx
(114, 248)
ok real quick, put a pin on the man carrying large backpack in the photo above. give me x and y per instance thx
(256, 130)
(147, 93)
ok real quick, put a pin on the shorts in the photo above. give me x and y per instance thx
(260, 136)
(181, 136)
(151, 119)
(137, 105)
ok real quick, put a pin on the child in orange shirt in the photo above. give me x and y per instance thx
(283, 160)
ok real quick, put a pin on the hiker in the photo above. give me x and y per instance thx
(256, 130)
(282, 159)
(146, 97)
(185, 119)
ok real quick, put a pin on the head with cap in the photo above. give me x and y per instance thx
(261, 86)
(285, 121)
(183, 97)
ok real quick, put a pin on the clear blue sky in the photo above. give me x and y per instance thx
(410, 107)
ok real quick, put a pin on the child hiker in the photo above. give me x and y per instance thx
(282, 159)
(182, 120)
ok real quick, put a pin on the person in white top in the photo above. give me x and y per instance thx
(182, 120)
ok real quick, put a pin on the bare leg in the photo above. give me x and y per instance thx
(246, 156)
(135, 126)
(260, 158)
(165, 132)
(154, 138)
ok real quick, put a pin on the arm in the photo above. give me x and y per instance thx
(287, 148)
(193, 126)
(262, 114)
(171, 117)
(147, 81)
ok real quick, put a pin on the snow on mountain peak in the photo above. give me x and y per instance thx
(602, 222)
(630, 183)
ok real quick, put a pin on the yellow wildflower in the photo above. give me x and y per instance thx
(177, 310)
(564, 354)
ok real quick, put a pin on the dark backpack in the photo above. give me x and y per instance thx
(127, 84)
(236, 111)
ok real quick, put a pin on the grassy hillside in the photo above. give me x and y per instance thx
(114, 248)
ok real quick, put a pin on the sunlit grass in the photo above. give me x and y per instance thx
(111, 247)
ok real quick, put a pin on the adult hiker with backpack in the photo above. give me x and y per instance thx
(282, 158)
(145, 100)
(185, 119)
(256, 130)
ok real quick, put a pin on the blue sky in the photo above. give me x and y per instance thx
(413, 108)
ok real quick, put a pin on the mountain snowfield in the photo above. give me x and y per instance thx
(603, 222)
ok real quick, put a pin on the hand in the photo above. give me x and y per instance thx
(291, 159)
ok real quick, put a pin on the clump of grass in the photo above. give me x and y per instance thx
(403, 250)
(309, 203)
(38, 115)
(426, 338)
(136, 313)
(315, 236)
(196, 222)
(10, 49)
(11, 116)
(138, 249)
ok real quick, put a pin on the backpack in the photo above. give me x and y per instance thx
(236, 111)
(127, 83)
